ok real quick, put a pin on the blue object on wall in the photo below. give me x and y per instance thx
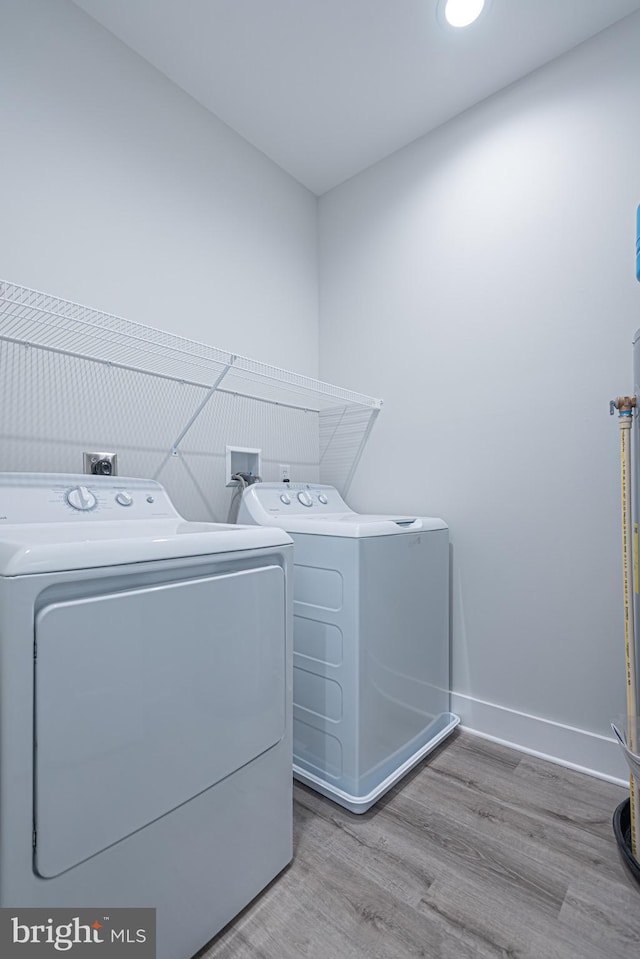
(638, 245)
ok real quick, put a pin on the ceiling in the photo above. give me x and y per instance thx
(325, 88)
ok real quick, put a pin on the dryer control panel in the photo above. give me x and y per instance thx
(65, 497)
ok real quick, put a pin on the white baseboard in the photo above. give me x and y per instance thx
(568, 746)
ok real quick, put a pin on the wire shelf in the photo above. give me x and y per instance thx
(83, 367)
(38, 319)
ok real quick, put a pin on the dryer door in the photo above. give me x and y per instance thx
(148, 697)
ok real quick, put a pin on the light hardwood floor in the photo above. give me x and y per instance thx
(481, 852)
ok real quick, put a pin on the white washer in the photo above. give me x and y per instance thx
(145, 697)
(371, 639)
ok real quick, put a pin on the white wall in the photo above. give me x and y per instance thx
(119, 191)
(482, 282)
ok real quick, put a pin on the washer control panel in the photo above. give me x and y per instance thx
(289, 499)
(62, 497)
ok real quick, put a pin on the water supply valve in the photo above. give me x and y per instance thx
(624, 405)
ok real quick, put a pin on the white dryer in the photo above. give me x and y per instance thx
(371, 639)
(145, 697)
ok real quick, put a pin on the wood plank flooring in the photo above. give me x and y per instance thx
(481, 852)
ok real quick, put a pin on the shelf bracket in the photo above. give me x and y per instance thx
(201, 406)
(363, 443)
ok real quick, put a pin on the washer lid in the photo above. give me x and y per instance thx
(52, 547)
(357, 525)
(315, 508)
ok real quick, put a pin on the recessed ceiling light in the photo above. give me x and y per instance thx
(460, 13)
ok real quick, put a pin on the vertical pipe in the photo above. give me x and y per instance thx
(625, 419)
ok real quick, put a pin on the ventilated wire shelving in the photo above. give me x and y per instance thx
(84, 335)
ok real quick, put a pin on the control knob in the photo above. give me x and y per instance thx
(123, 498)
(322, 499)
(81, 498)
(305, 498)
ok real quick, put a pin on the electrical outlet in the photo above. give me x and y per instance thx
(284, 472)
(100, 464)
